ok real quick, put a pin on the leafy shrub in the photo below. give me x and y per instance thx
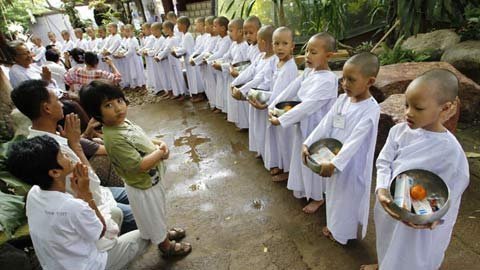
(399, 55)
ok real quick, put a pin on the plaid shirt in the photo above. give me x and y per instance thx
(77, 77)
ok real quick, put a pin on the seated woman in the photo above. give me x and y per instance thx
(80, 76)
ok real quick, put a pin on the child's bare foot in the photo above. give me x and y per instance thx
(174, 249)
(369, 267)
(275, 171)
(326, 232)
(313, 206)
(280, 177)
(258, 156)
(217, 111)
(181, 98)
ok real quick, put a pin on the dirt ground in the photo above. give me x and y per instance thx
(236, 218)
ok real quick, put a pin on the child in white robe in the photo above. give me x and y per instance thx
(316, 89)
(91, 42)
(80, 42)
(220, 26)
(277, 139)
(174, 69)
(353, 120)
(200, 43)
(261, 74)
(172, 17)
(148, 43)
(207, 71)
(119, 59)
(100, 43)
(38, 51)
(112, 43)
(162, 81)
(133, 61)
(237, 53)
(185, 50)
(53, 41)
(68, 44)
(422, 142)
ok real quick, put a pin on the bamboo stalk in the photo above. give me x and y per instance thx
(385, 36)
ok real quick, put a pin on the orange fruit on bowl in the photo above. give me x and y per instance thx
(418, 192)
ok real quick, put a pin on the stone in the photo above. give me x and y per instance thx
(433, 43)
(465, 57)
(394, 79)
(21, 122)
(392, 112)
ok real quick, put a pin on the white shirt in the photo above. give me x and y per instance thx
(18, 74)
(58, 72)
(63, 231)
(39, 55)
(68, 46)
(102, 195)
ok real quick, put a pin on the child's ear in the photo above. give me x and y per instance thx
(371, 81)
(329, 54)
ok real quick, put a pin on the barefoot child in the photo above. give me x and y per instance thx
(148, 43)
(133, 62)
(220, 26)
(353, 120)
(317, 90)
(422, 142)
(200, 44)
(185, 50)
(237, 53)
(138, 160)
(277, 159)
(161, 80)
(174, 69)
(206, 70)
(258, 75)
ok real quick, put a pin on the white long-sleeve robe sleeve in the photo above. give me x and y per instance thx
(222, 47)
(384, 162)
(289, 93)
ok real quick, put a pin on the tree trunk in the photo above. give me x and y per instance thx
(6, 124)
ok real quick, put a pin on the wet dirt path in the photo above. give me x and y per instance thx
(236, 218)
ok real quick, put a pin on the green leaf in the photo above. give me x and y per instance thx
(229, 6)
(19, 187)
(250, 7)
(12, 214)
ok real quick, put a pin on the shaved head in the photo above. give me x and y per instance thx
(238, 23)
(157, 25)
(443, 82)
(254, 20)
(366, 62)
(210, 19)
(266, 33)
(284, 29)
(328, 40)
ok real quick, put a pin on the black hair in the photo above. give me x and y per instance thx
(95, 93)
(52, 55)
(29, 96)
(31, 160)
(223, 21)
(50, 46)
(91, 58)
(78, 55)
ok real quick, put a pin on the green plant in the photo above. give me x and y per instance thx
(322, 15)
(471, 29)
(242, 7)
(398, 55)
(12, 192)
(365, 46)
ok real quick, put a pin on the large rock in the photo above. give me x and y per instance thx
(394, 79)
(435, 43)
(465, 56)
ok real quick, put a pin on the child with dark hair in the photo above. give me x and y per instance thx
(74, 222)
(139, 161)
(80, 76)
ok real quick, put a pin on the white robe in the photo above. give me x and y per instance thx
(221, 48)
(134, 63)
(121, 63)
(278, 140)
(186, 49)
(111, 44)
(400, 247)
(68, 46)
(39, 55)
(200, 45)
(236, 53)
(81, 43)
(206, 70)
(258, 75)
(317, 90)
(58, 44)
(162, 81)
(148, 44)
(348, 190)
(174, 70)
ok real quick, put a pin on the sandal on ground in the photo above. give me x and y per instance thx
(176, 249)
(369, 267)
(176, 234)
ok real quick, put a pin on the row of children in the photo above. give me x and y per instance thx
(352, 118)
